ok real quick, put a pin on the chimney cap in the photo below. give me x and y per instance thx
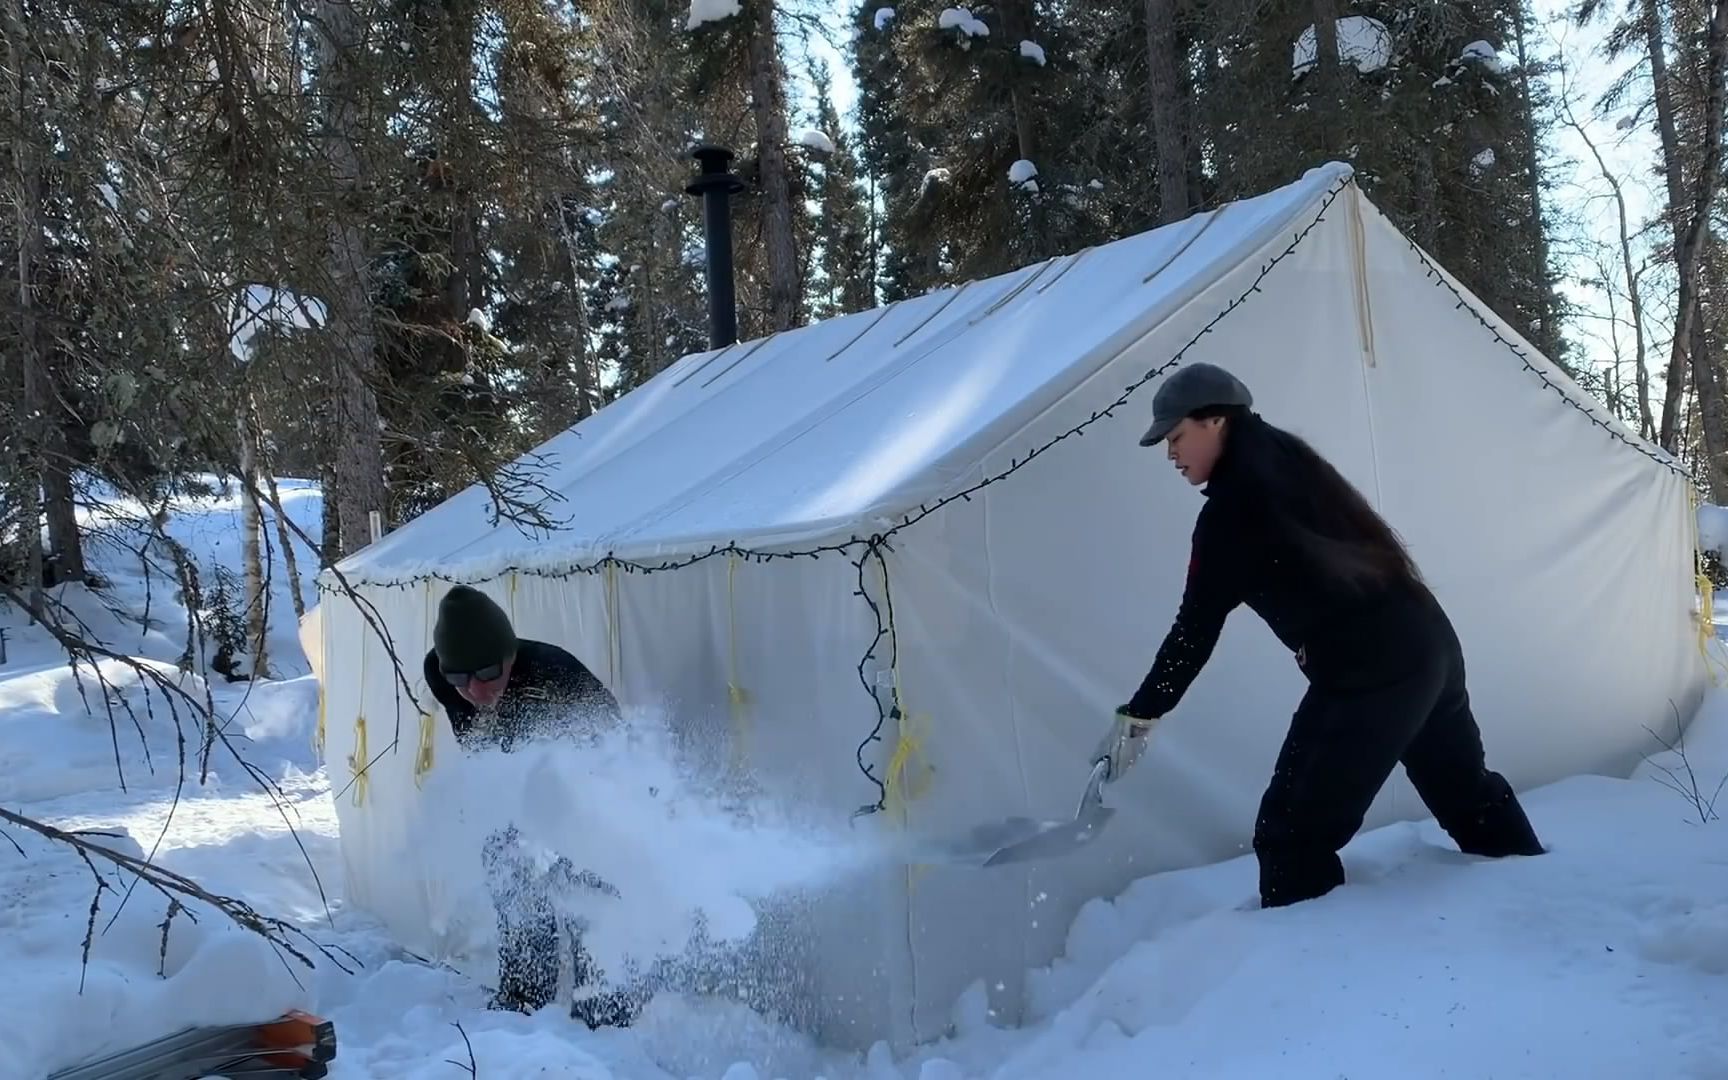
(715, 176)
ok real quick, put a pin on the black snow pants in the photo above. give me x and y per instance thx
(1395, 695)
(528, 935)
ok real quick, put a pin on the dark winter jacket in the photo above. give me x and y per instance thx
(1340, 638)
(549, 693)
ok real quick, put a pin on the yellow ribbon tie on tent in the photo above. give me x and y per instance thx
(357, 761)
(1706, 600)
(614, 647)
(901, 788)
(423, 760)
(736, 695)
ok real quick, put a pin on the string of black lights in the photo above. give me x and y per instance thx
(874, 545)
(884, 629)
(1433, 273)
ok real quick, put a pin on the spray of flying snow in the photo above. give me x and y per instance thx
(811, 139)
(1362, 41)
(884, 16)
(1033, 51)
(258, 306)
(626, 844)
(958, 18)
(707, 11)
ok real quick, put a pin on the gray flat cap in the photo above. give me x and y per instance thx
(1193, 387)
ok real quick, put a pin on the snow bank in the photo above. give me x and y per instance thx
(63, 733)
(1604, 957)
(135, 988)
(102, 726)
(1694, 762)
(1607, 956)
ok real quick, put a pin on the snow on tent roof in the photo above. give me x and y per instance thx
(833, 430)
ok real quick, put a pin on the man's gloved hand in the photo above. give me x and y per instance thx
(1123, 744)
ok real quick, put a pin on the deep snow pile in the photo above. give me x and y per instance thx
(1606, 957)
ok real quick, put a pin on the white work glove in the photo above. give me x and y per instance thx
(1123, 744)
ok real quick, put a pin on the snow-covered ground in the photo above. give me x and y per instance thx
(1606, 957)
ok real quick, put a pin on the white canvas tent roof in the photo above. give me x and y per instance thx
(839, 429)
(1036, 557)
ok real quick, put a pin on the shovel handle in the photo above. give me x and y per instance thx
(1094, 792)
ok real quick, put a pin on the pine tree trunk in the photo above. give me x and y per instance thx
(1548, 338)
(1672, 164)
(1328, 75)
(330, 542)
(1017, 23)
(768, 104)
(1169, 131)
(65, 550)
(252, 541)
(290, 561)
(33, 380)
(462, 287)
(1692, 239)
(359, 460)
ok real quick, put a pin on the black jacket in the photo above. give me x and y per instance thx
(550, 693)
(1339, 636)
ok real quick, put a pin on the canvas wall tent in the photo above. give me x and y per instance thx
(971, 457)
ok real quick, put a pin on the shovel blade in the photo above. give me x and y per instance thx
(1055, 841)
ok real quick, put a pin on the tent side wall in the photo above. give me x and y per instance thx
(1026, 614)
(1564, 554)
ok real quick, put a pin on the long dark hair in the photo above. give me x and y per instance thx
(1308, 501)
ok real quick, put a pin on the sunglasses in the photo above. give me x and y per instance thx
(460, 679)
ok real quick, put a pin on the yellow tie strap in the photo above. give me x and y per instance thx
(902, 787)
(736, 695)
(1701, 583)
(357, 765)
(423, 760)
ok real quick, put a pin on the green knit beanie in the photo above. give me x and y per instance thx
(472, 631)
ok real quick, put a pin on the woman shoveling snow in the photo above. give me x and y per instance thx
(1285, 534)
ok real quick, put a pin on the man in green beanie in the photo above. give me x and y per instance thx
(499, 690)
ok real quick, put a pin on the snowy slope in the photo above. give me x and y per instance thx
(1606, 957)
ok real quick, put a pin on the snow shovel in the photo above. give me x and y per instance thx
(1021, 839)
